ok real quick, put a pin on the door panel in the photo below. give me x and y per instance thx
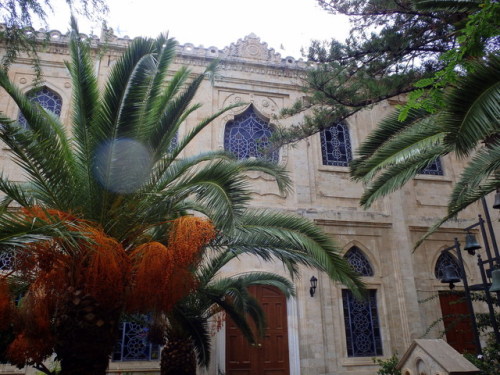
(271, 357)
(457, 324)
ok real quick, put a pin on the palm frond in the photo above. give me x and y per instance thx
(387, 129)
(398, 174)
(52, 176)
(269, 168)
(245, 280)
(15, 192)
(197, 330)
(199, 127)
(424, 134)
(155, 100)
(472, 110)
(18, 231)
(293, 240)
(85, 104)
(480, 177)
(162, 133)
(156, 107)
(220, 188)
(53, 170)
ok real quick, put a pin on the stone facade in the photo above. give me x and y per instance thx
(251, 72)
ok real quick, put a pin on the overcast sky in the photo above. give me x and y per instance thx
(286, 25)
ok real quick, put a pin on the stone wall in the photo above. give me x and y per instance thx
(250, 72)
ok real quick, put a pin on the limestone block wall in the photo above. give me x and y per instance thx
(254, 74)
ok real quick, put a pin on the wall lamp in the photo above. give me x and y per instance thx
(314, 284)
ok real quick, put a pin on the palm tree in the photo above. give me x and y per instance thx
(467, 125)
(187, 326)
(114, 209)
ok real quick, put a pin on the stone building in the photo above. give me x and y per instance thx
(328, 332)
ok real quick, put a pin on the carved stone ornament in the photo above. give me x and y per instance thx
(251, 48)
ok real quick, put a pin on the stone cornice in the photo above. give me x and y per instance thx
(345, 223)
(248, 54)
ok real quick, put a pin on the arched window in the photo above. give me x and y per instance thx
(361, 321)
(434, 168)
(445, 260)
(48, 99)
(336, 145)
(359, 262)
(248, 136)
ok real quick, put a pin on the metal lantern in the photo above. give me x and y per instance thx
(314, 283)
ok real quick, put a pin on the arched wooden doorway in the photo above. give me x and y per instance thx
(271, 357)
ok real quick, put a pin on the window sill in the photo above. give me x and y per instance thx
(432, 177)
(360, 361)
(333, 168)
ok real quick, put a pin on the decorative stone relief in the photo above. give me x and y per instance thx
(266, 105)
(251, 48)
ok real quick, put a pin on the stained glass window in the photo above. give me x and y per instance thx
(445, 260)
(133, 344)
(361, 317)
(336, 145)
(358, 262)
(174, 143)
(362, 325)
(248, 136)
(434, 168)
(7, 258)
(47, 98)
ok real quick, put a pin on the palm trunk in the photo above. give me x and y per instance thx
(178, 356)
(85, 337)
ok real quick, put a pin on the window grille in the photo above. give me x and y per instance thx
(7, 258)
(358, 262)
(361, 317)
(336, 145)
(47, 99)
(434, 168)
(134, 345)
(248, 136)
(362, 325)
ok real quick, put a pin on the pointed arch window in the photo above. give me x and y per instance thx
(434, 168)
(445, 260)
(47, 98)
(361, 320)
(359, 262)
(248, 136)
(336, 145)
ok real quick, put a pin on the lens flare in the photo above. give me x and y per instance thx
(122, 165)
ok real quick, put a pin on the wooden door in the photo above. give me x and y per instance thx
(270, 357)
(457, 323)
